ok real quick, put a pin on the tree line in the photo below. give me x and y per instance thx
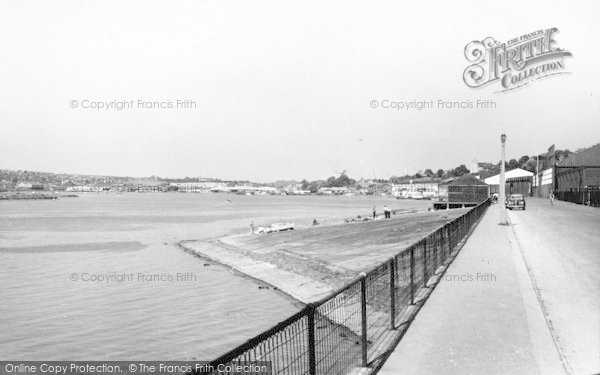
(486, 169)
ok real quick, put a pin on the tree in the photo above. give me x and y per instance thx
(313, 186)
(428, 172)
(440, 172)
(513, 164)
(304, 185)
(523, 160)
(500, 163)
(531, 165)
(342, 181)
(460, 170)
(562, 154)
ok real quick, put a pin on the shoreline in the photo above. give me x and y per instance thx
(249, 268)
(261, 284)
(34, 196)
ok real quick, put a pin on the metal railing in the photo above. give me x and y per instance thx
(355, 326)
(588, 197)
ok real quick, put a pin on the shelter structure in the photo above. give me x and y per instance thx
(577, 178)
(465, 191)
(518, 181)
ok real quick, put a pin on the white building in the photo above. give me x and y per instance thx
(412, 189)
(518, 181)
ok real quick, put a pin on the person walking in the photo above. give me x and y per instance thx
(374, 212)
(551, 196)
(386, 212)
(252, 227)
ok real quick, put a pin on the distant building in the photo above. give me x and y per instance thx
(464, 191)
(577, 178)
(333, 191)
(518, 181)
(82, 188)
(543, 184)
(147, 181)
(364, 183)
(192, 187)
(426, 187)
(298, 192)
(579, 171)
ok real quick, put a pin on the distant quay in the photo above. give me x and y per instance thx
(34, 196)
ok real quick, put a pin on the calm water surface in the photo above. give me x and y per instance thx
(50, 251)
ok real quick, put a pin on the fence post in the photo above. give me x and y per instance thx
(392, 271)
(425, 262)
(363, 305)
(442, 246)
(312, 362)
(434, 263)
(451, 237)
(412, 275)
(448, 241)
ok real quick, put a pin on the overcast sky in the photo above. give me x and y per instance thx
(283, 88)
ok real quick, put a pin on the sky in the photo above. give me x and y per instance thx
(282, 89)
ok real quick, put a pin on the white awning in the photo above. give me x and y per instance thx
(514, 173)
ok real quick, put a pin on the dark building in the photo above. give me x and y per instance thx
(465, 191)
(577, 178)
(468, 189)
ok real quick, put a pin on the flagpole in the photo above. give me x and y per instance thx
(537, 175)
(502, 186)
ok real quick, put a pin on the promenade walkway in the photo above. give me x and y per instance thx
(483, 317)
(561, 245)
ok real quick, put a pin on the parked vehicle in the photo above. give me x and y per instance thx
(515, 201)
(278, 227)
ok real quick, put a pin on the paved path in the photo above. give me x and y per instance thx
(561, 245)
(483, 317)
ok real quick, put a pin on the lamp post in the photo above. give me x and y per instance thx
(502, 186)
(537, 176)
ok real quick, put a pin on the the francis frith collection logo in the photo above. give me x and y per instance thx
(515, 63)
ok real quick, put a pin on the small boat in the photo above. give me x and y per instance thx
(276, 227)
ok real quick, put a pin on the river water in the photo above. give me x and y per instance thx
(99, 277)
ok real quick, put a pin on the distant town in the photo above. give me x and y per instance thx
(422, 185)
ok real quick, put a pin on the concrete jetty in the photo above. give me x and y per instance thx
(311, 263)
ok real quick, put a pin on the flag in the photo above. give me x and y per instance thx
(551, 159)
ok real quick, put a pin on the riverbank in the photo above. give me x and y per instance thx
(311, 262)
(34, 196)
(28, 196)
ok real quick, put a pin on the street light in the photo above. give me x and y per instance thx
(502, 186)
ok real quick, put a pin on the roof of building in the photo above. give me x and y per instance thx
(513, 173)
(334, 188)
(467, 180)
(420, 180)
(586, 158)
